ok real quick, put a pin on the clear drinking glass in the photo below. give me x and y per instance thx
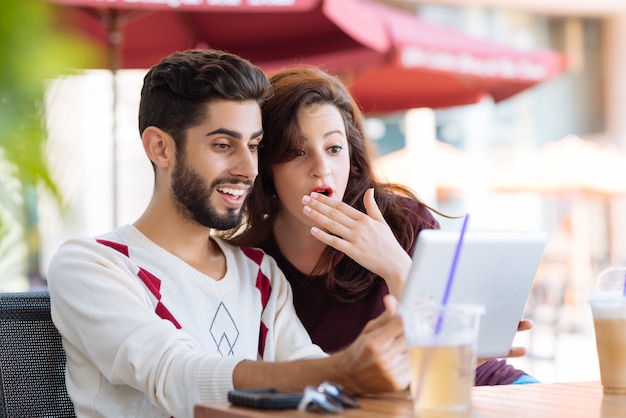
(442, 348)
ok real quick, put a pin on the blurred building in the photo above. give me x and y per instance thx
(592, 33)
(585, 100)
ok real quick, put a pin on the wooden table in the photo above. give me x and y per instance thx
(546, 400)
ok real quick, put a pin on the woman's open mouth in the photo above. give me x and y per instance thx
(325, 190)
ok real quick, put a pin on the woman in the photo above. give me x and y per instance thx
(341, 236)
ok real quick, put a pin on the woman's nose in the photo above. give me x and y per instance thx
(320, 166)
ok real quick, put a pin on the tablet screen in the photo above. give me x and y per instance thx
(495, 269)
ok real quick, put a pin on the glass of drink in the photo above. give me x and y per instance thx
(442, 351)
(608, 307)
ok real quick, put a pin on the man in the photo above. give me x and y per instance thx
(159, 315)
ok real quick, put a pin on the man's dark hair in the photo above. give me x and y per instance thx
(176, 91)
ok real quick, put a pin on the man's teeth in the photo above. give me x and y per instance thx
(234, 192)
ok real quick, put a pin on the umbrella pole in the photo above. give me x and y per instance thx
(115, 39)
(114, 178)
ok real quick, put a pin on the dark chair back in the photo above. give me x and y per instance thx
(32, 360)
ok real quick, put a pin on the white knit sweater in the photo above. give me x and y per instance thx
(147, 335)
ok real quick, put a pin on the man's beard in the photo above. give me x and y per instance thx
(192, 199)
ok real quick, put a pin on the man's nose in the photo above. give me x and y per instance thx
(247, 164)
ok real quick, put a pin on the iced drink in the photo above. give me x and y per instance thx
(442, 350)
(446, 373)
(609, 320)
(608, 307)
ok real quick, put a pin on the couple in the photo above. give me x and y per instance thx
(180, 307)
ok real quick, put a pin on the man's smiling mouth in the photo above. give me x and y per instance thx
(231, 191)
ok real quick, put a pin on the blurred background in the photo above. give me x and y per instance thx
(505, 109)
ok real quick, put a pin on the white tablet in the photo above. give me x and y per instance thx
(494, 269)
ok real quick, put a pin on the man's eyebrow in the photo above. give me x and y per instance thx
(234, 134)
(257, 134)
(224, 131)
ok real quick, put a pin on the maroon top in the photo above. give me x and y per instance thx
(333, 324)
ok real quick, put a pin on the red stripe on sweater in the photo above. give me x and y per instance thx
(164, 313)
(253, 254)
(152, 282)
(262, 339)
(115, 245)
(262, 281)
(263, 284)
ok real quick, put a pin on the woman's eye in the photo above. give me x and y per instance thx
(253, 147)
(297, 153)
(335, 149)
(221, 147)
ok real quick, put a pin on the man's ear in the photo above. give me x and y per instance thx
(159, 146)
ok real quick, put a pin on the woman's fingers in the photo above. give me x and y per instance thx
(331, 215)
(371, 207)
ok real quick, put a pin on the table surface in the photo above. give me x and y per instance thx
(543, 400)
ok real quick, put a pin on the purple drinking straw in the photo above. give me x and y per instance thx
(446, 296)
(455, 261)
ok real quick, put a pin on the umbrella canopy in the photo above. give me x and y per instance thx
(390, 59)
(434, 66)
(336, 34)
(568, 166)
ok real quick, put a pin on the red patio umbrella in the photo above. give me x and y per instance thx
(434, 66)
(335, 34)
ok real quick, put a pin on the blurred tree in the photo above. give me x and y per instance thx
(31, 52)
